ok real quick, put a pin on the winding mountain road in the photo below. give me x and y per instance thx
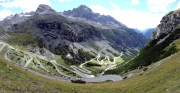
(41, 64)
(114, 64)
(27, 63)
(81, 74)
(53, 62)
(117, 57)
(2, 46)
(97, 57)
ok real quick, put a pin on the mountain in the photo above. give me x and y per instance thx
(111, 26)
(57, 32)
(53, 44)
(85, 13)
(148, 32)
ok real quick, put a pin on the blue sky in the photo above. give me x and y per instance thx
(139, 14)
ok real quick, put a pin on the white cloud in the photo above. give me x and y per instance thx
(132, 18)
(114, 5)
(63, 1)
(26, 5)
(159, 5)
(135, 2)
(100, 9)
(4, 13)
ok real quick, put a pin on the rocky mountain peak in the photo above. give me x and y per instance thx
(85, 13)
(45, 9)
(168, 23)
(83, 8)
(82, 11)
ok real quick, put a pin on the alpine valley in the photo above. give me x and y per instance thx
(46, 51)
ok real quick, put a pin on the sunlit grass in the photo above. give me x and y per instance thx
(94, 61)
(119, 60)
(175, 11)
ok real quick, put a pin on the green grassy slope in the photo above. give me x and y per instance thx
(23, 39)
(158, 80)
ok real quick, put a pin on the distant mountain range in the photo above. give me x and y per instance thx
(147, 32)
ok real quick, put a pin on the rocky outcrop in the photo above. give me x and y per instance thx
(168, 23)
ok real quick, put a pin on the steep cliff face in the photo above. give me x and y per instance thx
(168, 23)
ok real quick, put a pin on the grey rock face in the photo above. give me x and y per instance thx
(168, 23)
(74, 32)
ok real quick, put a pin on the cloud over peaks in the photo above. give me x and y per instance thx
(26, 5)
(159, 5)
(131, 17)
